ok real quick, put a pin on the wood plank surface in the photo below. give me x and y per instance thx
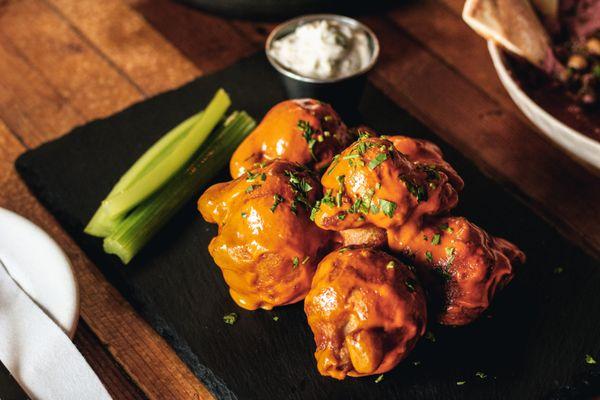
(443, 29)
(149, 361)
(126, 40)
(208, 41)
(87, 59)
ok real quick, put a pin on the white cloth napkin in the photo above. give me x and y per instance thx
(38, 354)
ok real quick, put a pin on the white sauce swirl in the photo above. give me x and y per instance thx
(323, 49)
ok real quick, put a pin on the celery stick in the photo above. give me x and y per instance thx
(147, 218)
(155, 154)
(101, 223)
(140, 189)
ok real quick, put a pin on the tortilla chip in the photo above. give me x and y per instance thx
(511, 23)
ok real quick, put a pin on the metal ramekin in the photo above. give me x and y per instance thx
(343, 92)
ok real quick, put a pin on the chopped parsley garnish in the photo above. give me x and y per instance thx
(295, 262)
(356, 206)
(230, 318)
(387, 207)
(431, 171)
(298, 184)
(334, 161)
(362, 134)
(252, 188)
(361, 147)
(275, 318)
(307, 132)
(251, 176)
(449, 251)
(374, 208)
(589, 359)
(390, 265)
(277, 199)
(244, 215)
(379, 378)
(351, 156)
(328, 199)
(381, 157)
(314, 210)
(263, 177)
(342, 216)
(300, 187)
(410, 284)
(436, 239)
(480, 375)
(445, 228)
(420, 192)
(338, 199)
(430, 336)
(429, 256)
(460, 383)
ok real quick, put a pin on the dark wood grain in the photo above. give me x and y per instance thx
(36, 109)
(112, 376)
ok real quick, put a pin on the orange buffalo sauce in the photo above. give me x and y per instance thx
(366, 310)
(304, 131)
(267, 247)
(461, 265)
(373, 184)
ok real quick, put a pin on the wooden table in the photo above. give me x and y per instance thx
(66, 62)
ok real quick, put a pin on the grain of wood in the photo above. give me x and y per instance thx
(159, 372)
(431, 23)
(208, 41)
(456, 6)
(115, 381)
(33, 109)
(127, 40)
(82, 76)
(494, 139)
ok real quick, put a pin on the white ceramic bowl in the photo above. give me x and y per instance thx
(582, 148)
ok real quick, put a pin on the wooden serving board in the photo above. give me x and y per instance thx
(532, 343)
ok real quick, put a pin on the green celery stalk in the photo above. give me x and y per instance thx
(102, 224)
(147, 218)
(122, 202)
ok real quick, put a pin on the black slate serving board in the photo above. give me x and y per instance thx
(531, 344)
